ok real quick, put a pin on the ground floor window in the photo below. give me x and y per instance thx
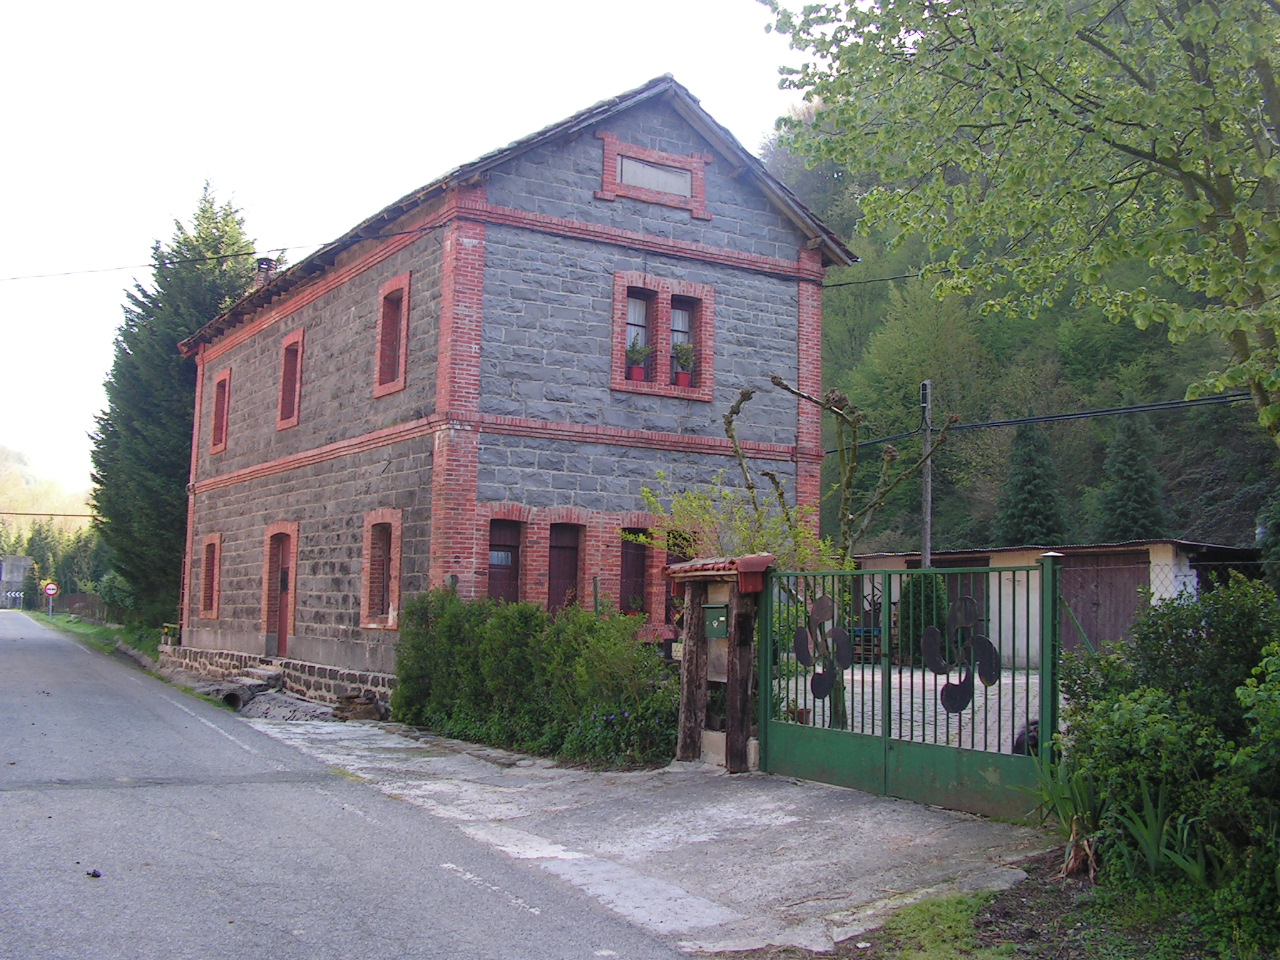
(504, 560)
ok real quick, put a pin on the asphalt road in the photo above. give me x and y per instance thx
(139, 822)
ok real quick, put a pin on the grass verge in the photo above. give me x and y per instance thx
(103, 636)
(1042, 917)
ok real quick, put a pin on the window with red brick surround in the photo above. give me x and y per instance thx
(290, 381)
(392, 350)
(670, 311)
(380, 577)
(634, 581)
(504, 559)
(211, 557)
(221, 409)
(653, 176)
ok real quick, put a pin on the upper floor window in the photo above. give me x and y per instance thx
(392, 349)
(653, 176)
(664, 336)
(380, 578)
(290, 380)
(221, 410)
(638, 339)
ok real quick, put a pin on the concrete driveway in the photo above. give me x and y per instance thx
(703, 859)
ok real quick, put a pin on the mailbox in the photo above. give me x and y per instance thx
(715, 620)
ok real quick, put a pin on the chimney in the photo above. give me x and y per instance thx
(266, 270)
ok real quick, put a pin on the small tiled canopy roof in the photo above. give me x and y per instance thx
(749, 570)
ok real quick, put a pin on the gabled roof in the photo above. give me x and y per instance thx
(663, 88)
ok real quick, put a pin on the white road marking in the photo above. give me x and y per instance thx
(212, 726)
(510, 898)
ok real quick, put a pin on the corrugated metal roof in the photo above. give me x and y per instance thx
(1068, 547)
(833, 249)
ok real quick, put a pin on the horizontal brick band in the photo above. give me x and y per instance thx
(507, 426)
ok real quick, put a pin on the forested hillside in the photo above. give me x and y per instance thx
(882, 337)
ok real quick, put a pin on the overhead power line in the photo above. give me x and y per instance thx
(14, 513)
(1079, 415)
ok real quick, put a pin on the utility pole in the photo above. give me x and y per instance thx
(926, 507)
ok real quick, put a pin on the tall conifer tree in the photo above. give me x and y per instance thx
(1030, 509)
(142, 447)
(1132, 503)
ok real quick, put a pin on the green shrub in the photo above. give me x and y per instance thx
(1204, 647)
(1180, 728)
(1144, 737)
(922, 603)
(577, 686)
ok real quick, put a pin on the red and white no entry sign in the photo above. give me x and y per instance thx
(50, 589)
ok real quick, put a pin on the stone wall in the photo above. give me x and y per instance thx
(312, 681)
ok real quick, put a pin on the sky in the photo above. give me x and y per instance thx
(308, 117)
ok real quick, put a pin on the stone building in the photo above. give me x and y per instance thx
(443, 394)
(13, 576)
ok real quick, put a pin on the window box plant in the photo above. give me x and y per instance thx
(685, 357)
(637, 357)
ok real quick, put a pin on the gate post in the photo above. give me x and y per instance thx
(1050, 616)
(740, 580)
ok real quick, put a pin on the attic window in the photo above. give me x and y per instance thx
(652, 176)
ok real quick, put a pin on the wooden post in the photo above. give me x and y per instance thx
(742, 623)
(693, 674)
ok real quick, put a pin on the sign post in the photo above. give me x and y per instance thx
(51, 591)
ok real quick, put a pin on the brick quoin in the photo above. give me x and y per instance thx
(809, 427)
(456, 548)
(461, 313)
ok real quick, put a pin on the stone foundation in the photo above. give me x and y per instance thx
(313, 681)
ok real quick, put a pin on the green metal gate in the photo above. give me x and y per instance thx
(931, 685)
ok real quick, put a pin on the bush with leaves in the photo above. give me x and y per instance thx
(1179, 725)
(576, 686)
(1146, 736)
(1197, 646)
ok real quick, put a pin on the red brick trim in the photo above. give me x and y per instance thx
(472, 209)
(809, 379)
(290, 392)
(335, 277)
(611, 187)
(461, 314)
(506, 511)
(289, 527)
(389, 620)
(391, 351)
(505, 426)
(185, 613)
(704, 326)
(458, 547)
(210, 575)
(221, 411)
(631, 240)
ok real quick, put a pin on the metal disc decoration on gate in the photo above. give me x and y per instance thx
(977, 655)
(828, 648)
